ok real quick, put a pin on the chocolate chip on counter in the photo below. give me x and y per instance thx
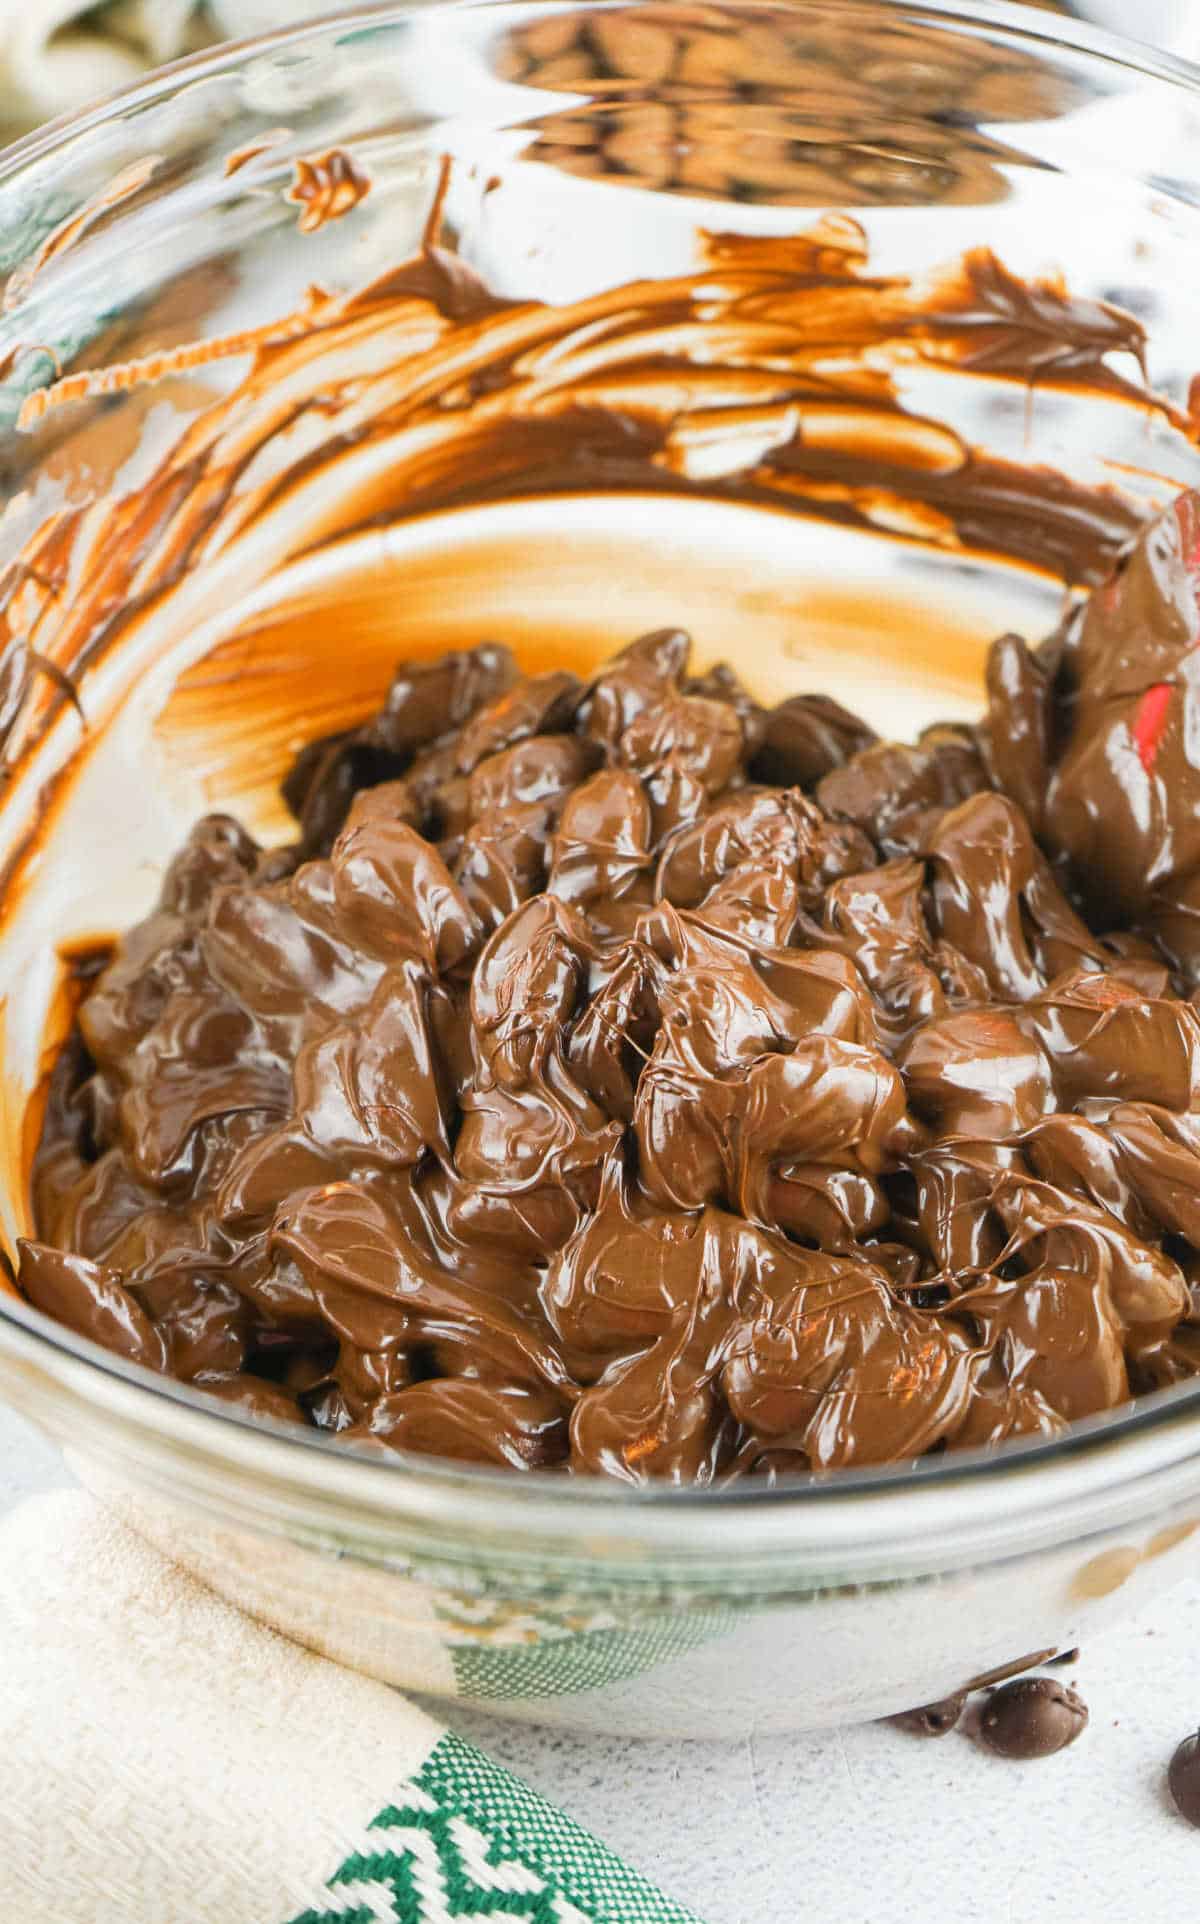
(932, 1720)
(1183, 1779)
(1034, 1717)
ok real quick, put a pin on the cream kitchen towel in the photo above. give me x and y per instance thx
(166, 1760)
(56, 55)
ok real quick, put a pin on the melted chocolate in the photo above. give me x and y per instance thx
(612, 1073)
(619, 1076)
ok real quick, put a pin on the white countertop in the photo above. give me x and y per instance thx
(869, 1826)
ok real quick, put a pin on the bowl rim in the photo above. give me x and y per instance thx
(1152, 1431)
(1032, 23)
(895, 1518)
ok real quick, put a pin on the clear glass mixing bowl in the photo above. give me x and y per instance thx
(587, 147)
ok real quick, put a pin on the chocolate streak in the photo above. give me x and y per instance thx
(772, 376)
(616, 1074)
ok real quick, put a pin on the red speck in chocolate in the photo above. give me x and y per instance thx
(1150, 721)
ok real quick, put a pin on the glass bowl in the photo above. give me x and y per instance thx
(225, 207)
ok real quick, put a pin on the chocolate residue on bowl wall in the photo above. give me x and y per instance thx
(773, 375)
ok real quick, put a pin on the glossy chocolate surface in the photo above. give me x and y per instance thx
(614, 1073)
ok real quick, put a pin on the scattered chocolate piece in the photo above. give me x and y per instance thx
(1034, 1717)
(1183, 1779)
(1003, 1671)
(932, 1720)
